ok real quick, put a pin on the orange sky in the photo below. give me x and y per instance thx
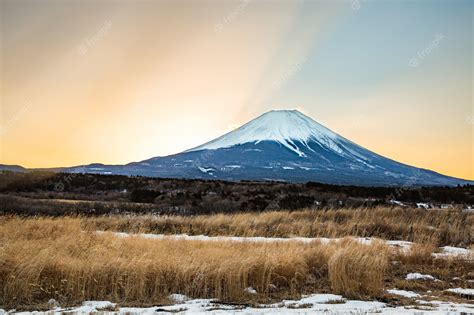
(115, 82)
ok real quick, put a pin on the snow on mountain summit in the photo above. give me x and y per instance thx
(282, 145)
(287, 127)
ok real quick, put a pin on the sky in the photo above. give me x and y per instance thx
(121, 81)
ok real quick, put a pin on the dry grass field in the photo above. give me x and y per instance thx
(437, 227)
(65, 259)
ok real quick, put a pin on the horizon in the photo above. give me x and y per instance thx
(115, 83)
(212, 140)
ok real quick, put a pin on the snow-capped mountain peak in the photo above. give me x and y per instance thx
(286, 127)
(282, 145)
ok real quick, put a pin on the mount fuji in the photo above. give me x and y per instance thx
(283, 145)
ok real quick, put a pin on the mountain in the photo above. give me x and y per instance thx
(283, 145)
(12, 168)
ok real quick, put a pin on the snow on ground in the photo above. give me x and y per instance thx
(311, 304)
(256, 239)
(437, 307)
(461, 291)
(178, 298)
(91, 306)
(251, 290)
(419, 276)
(408, 294)
(454, 251)
(422, 205)
(402, 245)
(398, 203)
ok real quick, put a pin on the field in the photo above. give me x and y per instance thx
(67, 259)
(134, 245)
(436, 227)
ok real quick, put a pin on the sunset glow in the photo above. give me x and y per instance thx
(116, 82)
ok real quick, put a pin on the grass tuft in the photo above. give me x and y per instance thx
(357, 270)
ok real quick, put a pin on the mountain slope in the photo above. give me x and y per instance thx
(12, 168)
(284, 126)
(281, 145)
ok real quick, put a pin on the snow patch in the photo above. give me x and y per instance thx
(310, 304)
(461, 291)
(178, 298)
(408, 294)
(422, 205)
(419, 276)
(94, 306)
(402, 245)
(398, 203)
(206, 170)
(250, 290)
(450, 251)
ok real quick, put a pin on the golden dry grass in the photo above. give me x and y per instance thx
(45, 258)
(439, 227)
(357, 271)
